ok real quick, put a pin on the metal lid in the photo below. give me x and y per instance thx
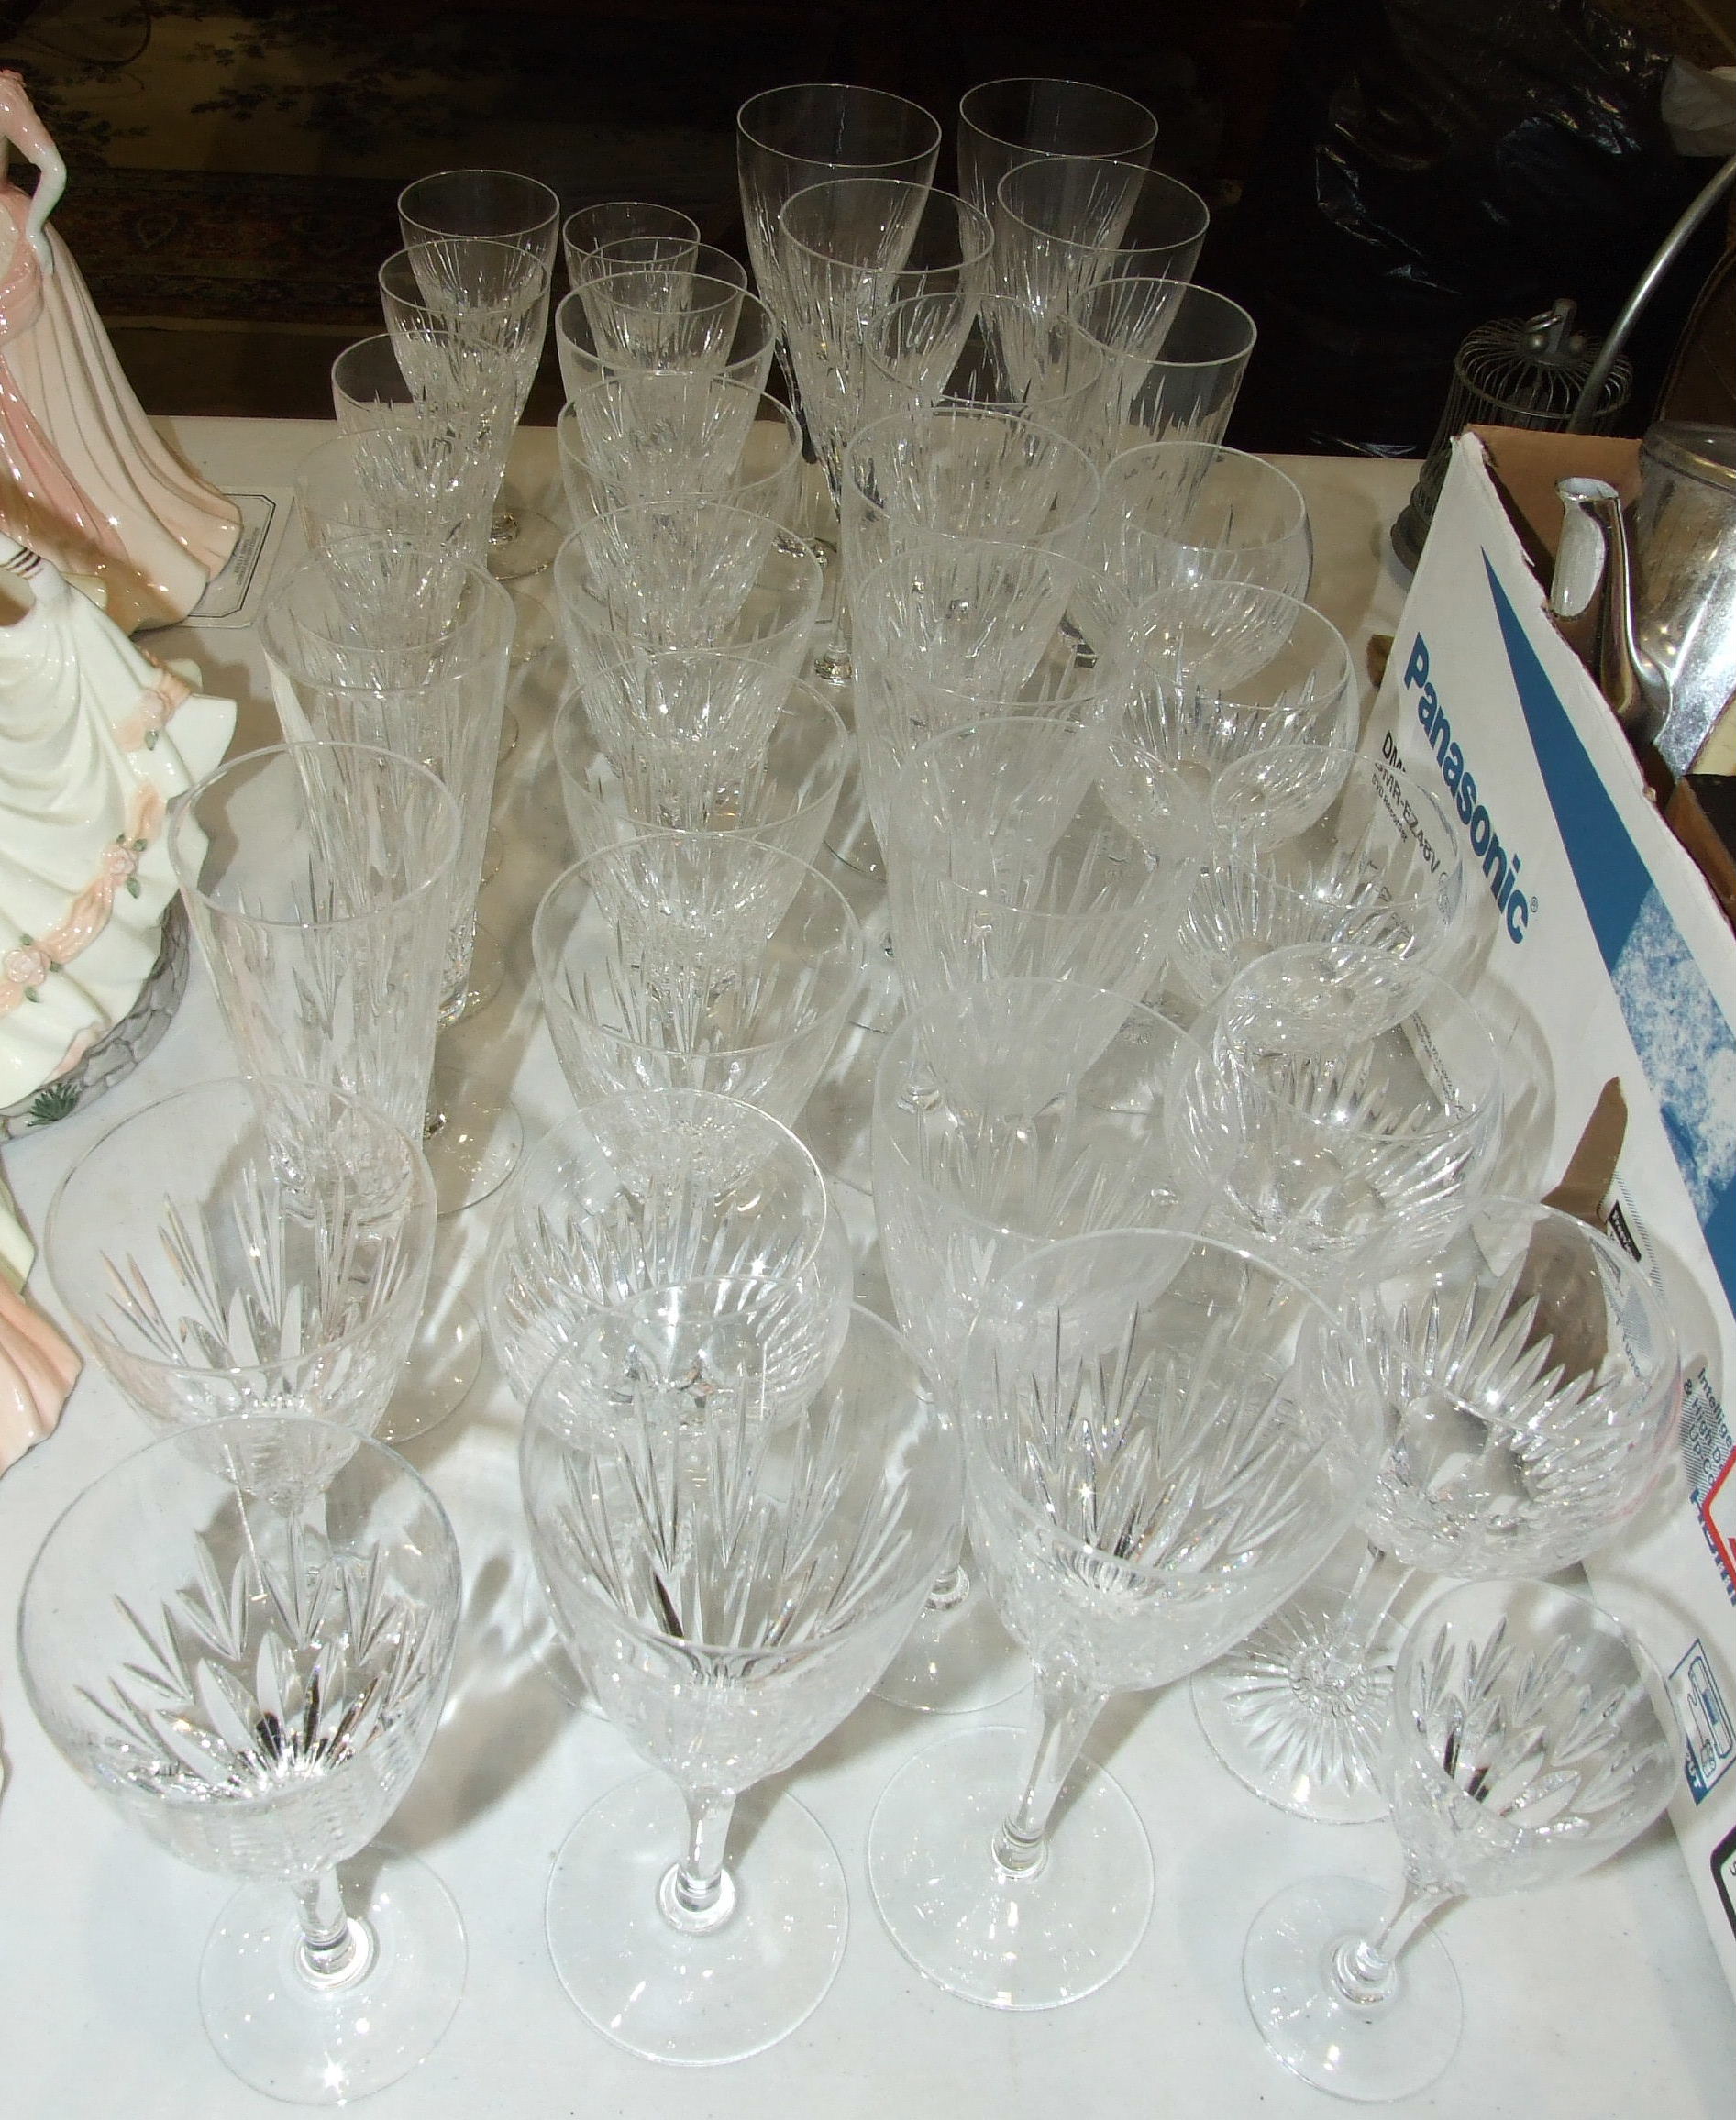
(1693, 451)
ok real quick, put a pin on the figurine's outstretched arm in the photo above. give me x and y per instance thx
(21, 124)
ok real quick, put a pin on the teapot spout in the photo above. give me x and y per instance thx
(1591, 600)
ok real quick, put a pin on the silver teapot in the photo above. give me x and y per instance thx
(1648, 596)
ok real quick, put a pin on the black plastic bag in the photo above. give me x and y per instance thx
(1431, 164)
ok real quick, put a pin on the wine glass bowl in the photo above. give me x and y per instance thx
(729, 1581)
(1346, 1113)
(1528, 1743)
(647, 1191)
(697, 960)
(241, 1636)
(1164, 1438)
(1318, 846)
(248, 1248)
(782, 792)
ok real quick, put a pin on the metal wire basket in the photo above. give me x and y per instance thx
(1519, 371)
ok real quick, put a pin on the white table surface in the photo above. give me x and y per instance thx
(1600, 1997)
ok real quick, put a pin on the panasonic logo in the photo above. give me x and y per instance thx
(1500, 864)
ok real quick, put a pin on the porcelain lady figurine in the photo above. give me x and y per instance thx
(84, 478)
(37, 1368)
(94, 739)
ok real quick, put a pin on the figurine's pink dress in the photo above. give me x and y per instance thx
(84, 478)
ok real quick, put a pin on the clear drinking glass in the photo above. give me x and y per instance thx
(1177, 354)
(656, 1187)
(699, 960)
(502, 206)
(1530, 1386)
(685, 574)
(847, 250)
(663, 435)
(1529, 1742)
(412, 482)
(745, 359)
(1164, 1437)
(615, 221)
(406, 647)
(1025, 1110)
(1003, 863)
(1345, 1113)
(242, 1637)
(784, 794)
(1215, 671)
(651, 307)
(318, 879)
(1005, 123)
(789, 137)
(730, 1584)
(468, 316)
(956, 630)
(247, 1247)
(1183, 513)
(1062, 225)
(1009, 359)
(1318, 846)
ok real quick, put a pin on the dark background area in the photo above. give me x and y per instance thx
(234, 167)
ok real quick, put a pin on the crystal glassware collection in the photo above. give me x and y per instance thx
(968, 842)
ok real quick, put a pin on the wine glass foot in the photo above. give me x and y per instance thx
(1010, 1943)
(1298, 1713)
(521, 542)
(957, 1658)
(695, 2000)
(446, 1359)
(1389, 2051)
(324, 2043)
(483, 979)
(473, 1137)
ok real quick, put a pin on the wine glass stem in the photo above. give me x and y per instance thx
(1365, 1970)
(334, 1948)
(697, 1894)
(1063, 1711)
(1362, 1614)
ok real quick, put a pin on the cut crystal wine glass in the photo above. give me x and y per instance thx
(644, 1191)
(1346, 1113)
(956, 630)
(468, 316)
(318, 879)
(684, 573)
(1318, 846)
(1005, 123)
(656, 435)
(1529, 1742)
(730, 1577)
(696, 960)
(1181, 512)
(1215, 670)
(1177, 354)
(1024, 1111)
(1530, 1387)
(496, 206)
(591, 228)
(242, 1636)
(248, 1248)
(1003, 862)
(746, 360)
(782, 791)
(375, 641)
(789, 137)
(1164, 1438)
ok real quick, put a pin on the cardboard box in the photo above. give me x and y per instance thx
(1602, 954)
